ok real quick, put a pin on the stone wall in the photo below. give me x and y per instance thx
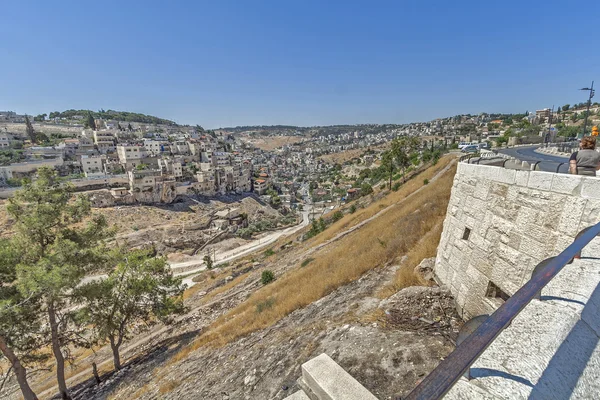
(501, 223)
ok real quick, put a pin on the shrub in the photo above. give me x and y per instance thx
(208, 261)
(396, 186)
(425, 181)
(352, 209)
(338, 215)
(265, 305)
(366, 189)
(267, 277)
(269, 252)
(306, 262)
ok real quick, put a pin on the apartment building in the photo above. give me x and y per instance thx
(92, 165)
(104, 141)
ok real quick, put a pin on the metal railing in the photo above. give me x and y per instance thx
(449, 371)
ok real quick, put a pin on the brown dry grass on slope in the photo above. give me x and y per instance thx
(377, 243)
(360, 215)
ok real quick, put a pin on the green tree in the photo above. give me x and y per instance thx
(19, 326)
(337, 215)
(129, 127)
(40, 118)
(90, 121)
(388, 164)
(29, 129)
(566, 107)
(139, 288)
(365, 189)
(58, 242)
(401, 149)
(568, 131)
(208, 261)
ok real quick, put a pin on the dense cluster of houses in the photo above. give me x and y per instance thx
(188, 161)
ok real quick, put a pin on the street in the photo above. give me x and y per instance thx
(548, 162)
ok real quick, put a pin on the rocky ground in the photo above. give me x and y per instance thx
(176, 230)
(388, 345)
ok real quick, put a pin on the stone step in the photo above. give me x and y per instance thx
(551, 349)
(299, 395)
(328, 381)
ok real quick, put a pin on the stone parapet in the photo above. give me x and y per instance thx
(501, 223)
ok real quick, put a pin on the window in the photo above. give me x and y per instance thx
(466, 234)
(494, 292)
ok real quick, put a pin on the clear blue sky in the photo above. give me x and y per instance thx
(224, 63)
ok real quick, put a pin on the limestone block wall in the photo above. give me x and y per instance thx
(501, 223)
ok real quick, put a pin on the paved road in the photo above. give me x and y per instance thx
(527, 153)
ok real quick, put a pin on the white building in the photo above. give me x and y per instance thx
(128, 153)
(92, 165)
(5, 140)
(104, 141)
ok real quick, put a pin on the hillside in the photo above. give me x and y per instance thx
(243, 339)
(124, 116)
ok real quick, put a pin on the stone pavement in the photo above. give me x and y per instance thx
(551, 350)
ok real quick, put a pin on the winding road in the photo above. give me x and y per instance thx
(230, 255)
(547, 162)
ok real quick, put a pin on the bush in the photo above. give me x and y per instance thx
(265, 305)
(366, 189)
(269, 252)
(337, 215)
(306, 262)
(425, 181)
(352, 209)
(396, 186)
(267, 277)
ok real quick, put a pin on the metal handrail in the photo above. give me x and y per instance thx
(449, 371)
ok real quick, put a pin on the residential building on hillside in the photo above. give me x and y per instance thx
(104, 141)
(260, 186)
(92, 165)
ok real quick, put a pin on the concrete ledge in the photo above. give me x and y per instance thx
(329, 381)
(299, 395)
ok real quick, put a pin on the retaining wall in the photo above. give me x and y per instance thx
(501, 223)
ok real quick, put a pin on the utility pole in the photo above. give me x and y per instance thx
(589, 102)
(549, 126)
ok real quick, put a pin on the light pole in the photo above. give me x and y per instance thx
(591, 90)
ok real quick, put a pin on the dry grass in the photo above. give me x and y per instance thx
(350, 220)
(343, 156)
(168, 386)
(273, 142)
(376, 243)
(406, 276)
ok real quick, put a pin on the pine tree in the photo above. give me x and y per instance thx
(91, 122)
(388, 164)
(57, 242)
(138, 289)
(29, 129)
(20, 337)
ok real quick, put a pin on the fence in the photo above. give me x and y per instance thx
(449, 371)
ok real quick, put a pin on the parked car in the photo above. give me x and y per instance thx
(470, 149)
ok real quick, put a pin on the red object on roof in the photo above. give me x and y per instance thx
(260, 181)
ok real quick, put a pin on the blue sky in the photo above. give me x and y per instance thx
(226, 63)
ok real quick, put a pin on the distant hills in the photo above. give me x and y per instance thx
(125, 116)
